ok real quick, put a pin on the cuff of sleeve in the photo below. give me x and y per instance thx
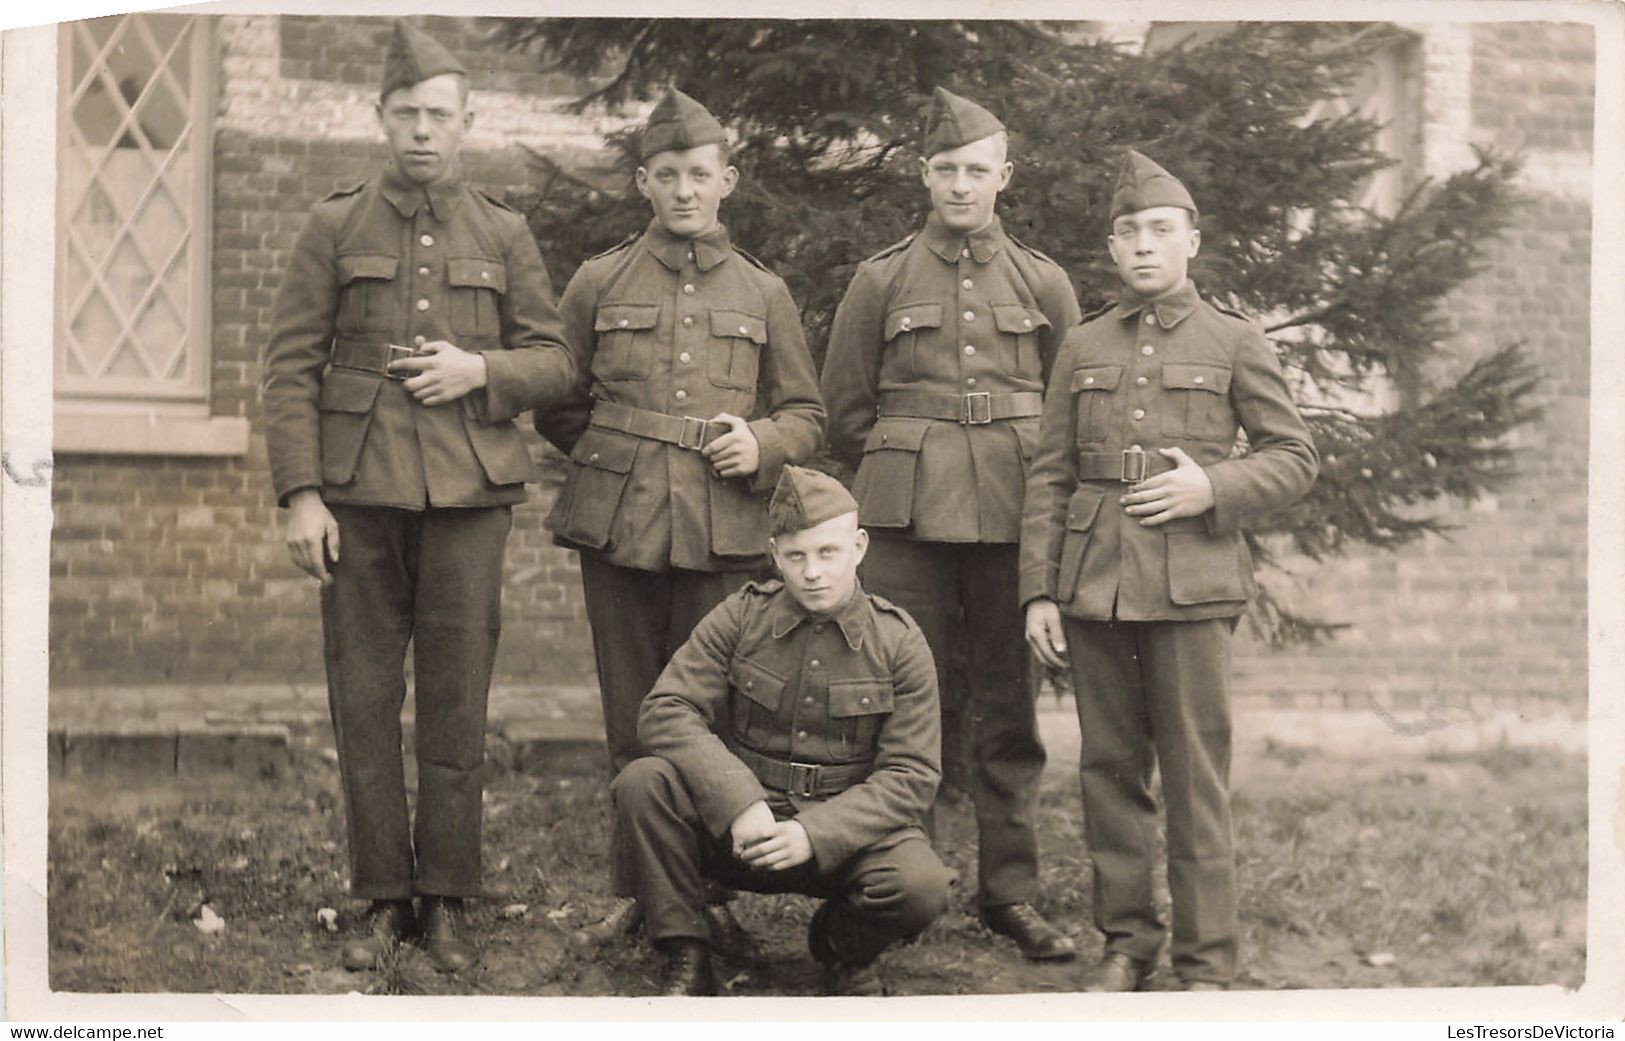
(1226, 516)
(495, 402)
(823, 836)
(298, 483)
(771, 455)
(736, 789)
(1036, 583)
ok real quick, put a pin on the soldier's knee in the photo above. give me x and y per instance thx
(919, 892)
(638, 782)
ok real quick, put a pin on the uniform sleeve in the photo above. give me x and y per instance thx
(1051, 481)
(792, 426)
(907, 768)
(1281, 462)
(852, 366)
(301, 341)
(563, 423)
(534, 369)
(1059, 303)
(678, 719)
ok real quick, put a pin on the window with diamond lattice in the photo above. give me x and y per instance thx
(132, 285)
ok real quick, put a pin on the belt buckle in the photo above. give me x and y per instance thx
(804, 779)
(1134, 468)
(975, 416)
(393, 349)
(693, 434)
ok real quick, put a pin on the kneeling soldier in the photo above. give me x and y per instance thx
(794, 746)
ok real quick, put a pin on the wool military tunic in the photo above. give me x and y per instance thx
(1175, 372)
(389, 263)
(762, 683)
(682, 328)
(938, 343)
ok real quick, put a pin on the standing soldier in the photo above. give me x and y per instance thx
(1134, 570)
(414, 324)
(935, 375)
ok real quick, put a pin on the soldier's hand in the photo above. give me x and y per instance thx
(1044, 633)
(1184, 491)
(736, 453)
(785, 848)
(752, 825)
(313, 534)
(444, 372)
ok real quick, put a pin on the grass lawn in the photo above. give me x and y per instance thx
(1446, 871)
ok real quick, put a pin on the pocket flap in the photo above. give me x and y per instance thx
(737, 324)
(626, 316)
(849, 698)
(605, 450)
(1192, 376)
(756, 682)
(1018, 318)
(477, 273)
(1082, 510)
(912, 316)
(1096, 377)
(344, 390)
(899, 433)
(352, 266)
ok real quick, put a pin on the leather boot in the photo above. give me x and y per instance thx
(388, 923)
(688, 970)
(446, 934)
(1116, 973)
(840, 977)
(1037, 939)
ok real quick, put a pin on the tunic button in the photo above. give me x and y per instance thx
(969, 349)
(970, 381)
(427, 240)
(1088, 381)
(864, 702)
(1142, 381)
(808, 700)
(685, 357)
(1139, 413)
(419, 340)
(681, 395)
(423, 305)
(970, 316)
(593, 458)
(967, 284)
(423, 272)
(965, 252)
(1135, 448)
(688, 319)
(801, 734)
(1199, 380)
(622, 324)
(1026, 323)
(907, 321)
(1150, 319)
(750, 684)
(1148, 350)
(486, 275)
(689, 289)
(743, 331)
(813, 664)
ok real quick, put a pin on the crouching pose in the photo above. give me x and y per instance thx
(794, 744)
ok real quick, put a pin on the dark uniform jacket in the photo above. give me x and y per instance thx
(762, 680)
(1183, 373)
(387, 262)
(951, 318)
(688, 329)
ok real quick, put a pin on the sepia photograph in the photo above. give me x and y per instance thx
(480, 518)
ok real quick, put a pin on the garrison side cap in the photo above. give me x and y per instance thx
(678, 122)
(804, 499)
(956, 121)
(415, 56)
(1142, 184)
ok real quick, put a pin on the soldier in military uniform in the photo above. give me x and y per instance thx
(694, 390)
(1134, 570)
(413, 325)
(937, 362)
(793, 746)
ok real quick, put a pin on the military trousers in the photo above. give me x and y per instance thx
(431, 579)
(886, 894)
(639, 619)
(964, 597)
(1157, 695)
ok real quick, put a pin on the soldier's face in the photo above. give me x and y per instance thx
(686, 188)
(1153, 248)
(425, 125)
(820, 564)
(966, 181)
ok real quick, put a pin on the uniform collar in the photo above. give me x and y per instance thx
(949, 244)
(1170, 310)
(710, 249)
(854, 617)
(407, 198)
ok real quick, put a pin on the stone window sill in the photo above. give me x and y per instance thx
(86, 431)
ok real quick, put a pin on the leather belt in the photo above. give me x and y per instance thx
(369, 356)
(1129, 466)
(804, 779)
(682, 431)
(971, 409)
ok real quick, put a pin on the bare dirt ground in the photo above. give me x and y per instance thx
(1454, 870)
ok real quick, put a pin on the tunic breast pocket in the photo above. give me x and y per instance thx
(626, 335)
(757, 693)
(1197, 402)
(366, 293)
(733, 357)
(857, 708)
(902, 332)
(1018, 327)
(476, 286)
(1092, 392)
